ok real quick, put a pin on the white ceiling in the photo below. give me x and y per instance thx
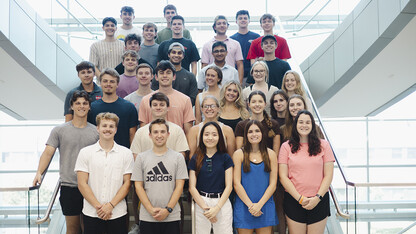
(23, 95)
(390, 75)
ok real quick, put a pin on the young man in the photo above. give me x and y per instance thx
(267, 22)
(104, 171)
(127, 16)
(128, 82)
(219, 51)
(185, 81)
(106, 53)
(149, 47)
(69, 138)
(132, 42)
(144, 75)
(86, 73)
(191, 56)
(180, 110)
(110, 102)
(159, 104)
(277, 67)
(168, 12)
(159, 175)
(234, 56)
(244, 37)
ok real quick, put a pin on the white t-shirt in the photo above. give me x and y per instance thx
(176, 140)
(122, 33)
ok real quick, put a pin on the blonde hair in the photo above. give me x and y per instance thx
(106, 116)
(239, 102)
(266, 69)
(298, 89)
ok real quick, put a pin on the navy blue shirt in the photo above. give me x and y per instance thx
(212, 181)
(245, 43)
(125, 111)
(95, 95)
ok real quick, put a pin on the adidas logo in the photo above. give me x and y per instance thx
(158, 174)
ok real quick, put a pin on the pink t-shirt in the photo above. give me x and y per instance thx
(127, 85)
(233, 48)
(179, 112)
(306, 172)
(281, 52)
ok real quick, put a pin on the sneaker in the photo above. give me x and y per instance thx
(134, 229)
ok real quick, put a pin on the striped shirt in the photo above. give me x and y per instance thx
(106, 54)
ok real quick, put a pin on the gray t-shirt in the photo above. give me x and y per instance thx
(135, 99)
(159, 175)
(149, 53)
(70, 140)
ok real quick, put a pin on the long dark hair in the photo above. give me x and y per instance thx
(247, 148)
(266, 117)
(314, 143)
(201, 150)
(286, 129)
(273, 111)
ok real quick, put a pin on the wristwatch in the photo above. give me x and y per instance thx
(169, 209)
(319, 196)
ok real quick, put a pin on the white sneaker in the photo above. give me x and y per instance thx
(134, 229)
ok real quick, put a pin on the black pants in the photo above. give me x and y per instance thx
(98, 226)
(159, 227)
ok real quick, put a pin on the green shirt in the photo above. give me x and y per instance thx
(166, 34)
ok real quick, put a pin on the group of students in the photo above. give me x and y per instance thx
(254, 157)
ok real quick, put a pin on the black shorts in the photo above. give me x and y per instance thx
(71, 201)
(297, 213)
(94, 225)
(159, 227)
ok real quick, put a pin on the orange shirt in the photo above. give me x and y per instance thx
(306, 172)
(179, 112)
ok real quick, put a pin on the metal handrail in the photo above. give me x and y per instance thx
(83, 25)
(310, 20)
(337, 206)
(50, 205)
(85, 9)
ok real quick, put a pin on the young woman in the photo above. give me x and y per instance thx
(213, 77)
(210, 110)
(210, 182)
(306, 165)
(278, 106)
(255, 178)
(295, 104)
(233, 108)
(260, 73)
(257, 105)
(291, 85)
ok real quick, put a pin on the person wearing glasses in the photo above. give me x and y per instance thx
(210, 108)
(277, 67)
(211, 182)
(260, 73)
(219, 52)
(213, 77)
(306, 167)
(255, 179)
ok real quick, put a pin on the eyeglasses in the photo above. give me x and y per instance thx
(219, 51)
(209, 164)
(258, 71)
(212, 106)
